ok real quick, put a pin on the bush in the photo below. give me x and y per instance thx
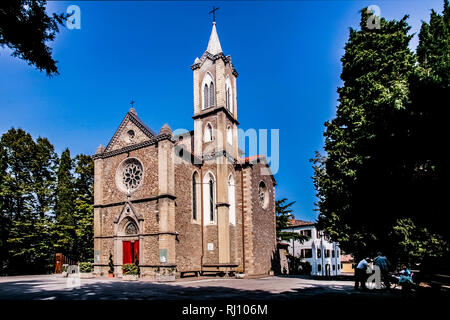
(85, 267)
(130, 269)
(111, 264)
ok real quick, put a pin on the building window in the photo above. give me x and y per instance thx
(334, 267)
(231, 199)
(229, 95)
(208, 92)
(131, 229)
(129, 175)
(209, 197)
(307, 233)
(206, 97)
(194, 195)
(319, 253)
(263, 195)
(318, 234)
(319, 268)
(332, 253)
(327, 253)
(337, 253)
(208, 133)
(211, 94)
(211, 200)
(307, 253)
(229, 135)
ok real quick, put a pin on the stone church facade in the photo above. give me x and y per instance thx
(189, 202)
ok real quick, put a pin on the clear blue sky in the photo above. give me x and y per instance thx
(287, 54)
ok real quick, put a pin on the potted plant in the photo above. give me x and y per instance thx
(86, 270)
(130, 272)
(271, 272)
(111, 266)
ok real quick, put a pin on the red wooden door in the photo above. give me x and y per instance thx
(130, 251)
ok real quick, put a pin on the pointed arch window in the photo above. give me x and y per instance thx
(211, 94)
(228, 95)
(195, 195)
(208, 99)
(205, 96)
(209, 198)
(208, 133)
(231, 199)
(229, 135)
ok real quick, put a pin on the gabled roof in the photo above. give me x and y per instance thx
(130, 116)
(300, 223)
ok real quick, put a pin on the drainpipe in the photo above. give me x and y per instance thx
(243, 223)
(202, 223)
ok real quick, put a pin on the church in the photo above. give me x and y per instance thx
(186, 203)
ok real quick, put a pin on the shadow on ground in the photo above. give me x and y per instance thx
(55, 289)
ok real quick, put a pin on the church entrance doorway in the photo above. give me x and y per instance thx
(130, 252)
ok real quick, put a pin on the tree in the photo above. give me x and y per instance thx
(26, 28)
(383, 178)
(65, 229)
(26, 185)
(358, 178)
(283, 217)
(84, 210)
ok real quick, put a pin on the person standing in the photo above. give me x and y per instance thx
(361, 273)
(383, 263)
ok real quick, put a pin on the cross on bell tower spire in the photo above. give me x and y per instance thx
(213, 11)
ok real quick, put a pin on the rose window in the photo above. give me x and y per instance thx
(129, 175)
(132, 175)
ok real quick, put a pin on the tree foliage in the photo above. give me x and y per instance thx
(384, 168)
(45, 204)
(283, 217)
(26, 28)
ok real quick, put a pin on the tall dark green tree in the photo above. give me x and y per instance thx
(26, 185)
(357, 179)
(65, 223)
(84, 210)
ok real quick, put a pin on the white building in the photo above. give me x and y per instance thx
(323, 255)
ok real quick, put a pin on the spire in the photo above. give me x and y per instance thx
(214, 43)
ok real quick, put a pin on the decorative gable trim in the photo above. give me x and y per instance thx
(137, 122)
(207, 55)
(129, 211)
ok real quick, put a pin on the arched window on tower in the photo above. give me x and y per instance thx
(228, 94)
(211, 94)
(229, 135)
(205, 96)
(208, 133)
(208, 99)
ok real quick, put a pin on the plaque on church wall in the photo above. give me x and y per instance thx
(163, 255)
(97, 256)
(210, 246)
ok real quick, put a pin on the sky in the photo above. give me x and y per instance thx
(287, 54)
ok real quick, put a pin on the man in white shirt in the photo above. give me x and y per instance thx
(361, 274)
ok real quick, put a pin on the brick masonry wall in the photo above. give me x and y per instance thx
(263, 223)
(189, 246)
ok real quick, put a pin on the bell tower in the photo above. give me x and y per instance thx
(215, 103)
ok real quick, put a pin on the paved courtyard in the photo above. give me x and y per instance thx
(51, 287)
